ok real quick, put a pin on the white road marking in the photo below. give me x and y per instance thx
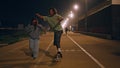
(17, 48)
(94, 59)
(35, 66)
(70, 50)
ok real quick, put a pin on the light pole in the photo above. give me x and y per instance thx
(76, 7)
(86, 15)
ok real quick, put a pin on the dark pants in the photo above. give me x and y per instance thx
(57, 37)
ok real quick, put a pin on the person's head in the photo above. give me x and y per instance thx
(52, 11)
(34, 21)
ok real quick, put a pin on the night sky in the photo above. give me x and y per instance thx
(13, 12)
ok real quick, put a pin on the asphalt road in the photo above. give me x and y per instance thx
(79, 51)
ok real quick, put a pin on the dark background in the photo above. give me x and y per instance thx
(14, 12)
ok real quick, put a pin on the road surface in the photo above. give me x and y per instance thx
(79, 51)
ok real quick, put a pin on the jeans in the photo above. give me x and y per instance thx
(34, 46)
(57, 37)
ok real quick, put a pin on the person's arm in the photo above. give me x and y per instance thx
(45, 18)
(40, 16)
(40, 26)
(60, 18)
(28, 29)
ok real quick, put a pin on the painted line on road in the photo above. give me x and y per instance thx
(95, 60)
(17, 48)
(71, 50)
(35, 66)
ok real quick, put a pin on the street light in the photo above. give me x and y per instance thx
(86, 9)
(76, 7)
(65, 22)
(71, 15)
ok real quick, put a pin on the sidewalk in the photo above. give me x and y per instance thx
(106, 52)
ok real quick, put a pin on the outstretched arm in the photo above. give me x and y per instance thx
(40, 16)
(60, 20)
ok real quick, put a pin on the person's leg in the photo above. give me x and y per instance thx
(36, 48)
(55, 37)
(57, 41)
(31, 45)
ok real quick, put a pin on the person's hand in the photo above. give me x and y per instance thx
(40, 16)
(37, 14)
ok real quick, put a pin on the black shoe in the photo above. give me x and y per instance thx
(34, 58)
(31, 55)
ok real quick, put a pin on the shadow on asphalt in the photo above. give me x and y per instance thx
(27, 52)
(11, 62)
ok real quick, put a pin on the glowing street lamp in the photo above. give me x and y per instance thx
(71, 15)
(65, 22)
(76, 7)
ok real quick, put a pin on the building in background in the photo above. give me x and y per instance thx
(103, 20)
